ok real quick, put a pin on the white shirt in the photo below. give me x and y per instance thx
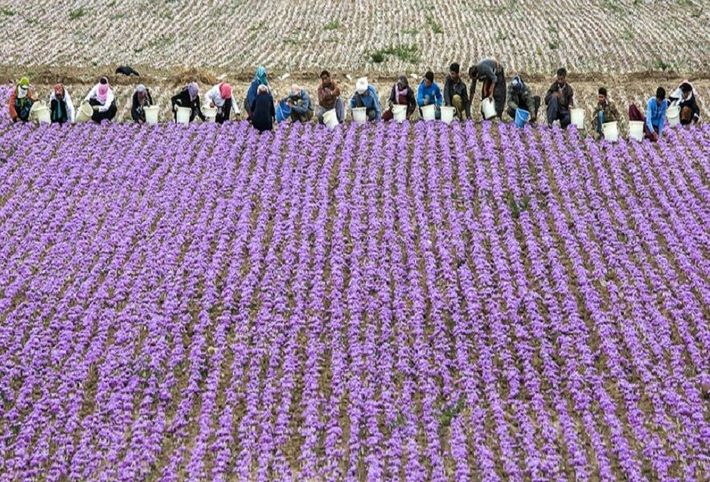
(214, 97)
(94, 94)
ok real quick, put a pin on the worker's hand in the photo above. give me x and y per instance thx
(212, 105)
(96, 108)
(654, 137)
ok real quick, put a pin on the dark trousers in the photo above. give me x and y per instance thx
(499, 93)
(556, 111)
(223, 112)
(107, 115)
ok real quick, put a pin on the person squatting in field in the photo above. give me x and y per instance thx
(21, 101)
(188, 97)
(101, 98)
(559, 99)
(140, 100)
(605, 111)
(366, 96)
(401, 94)
(456, 93)
(520, 97)
(655, 118)
(329, 98)
(429, 93)
(685, 98)
(61, 108)
(297, 105)
(262, 110)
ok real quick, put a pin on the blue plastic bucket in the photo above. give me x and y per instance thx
(521, 117)
(283, 111)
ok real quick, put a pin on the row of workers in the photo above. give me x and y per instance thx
(298, 106)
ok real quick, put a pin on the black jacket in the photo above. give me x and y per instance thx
(263, 112)
(458, 88)
(137, 112)
(693, 104)
(182, 99)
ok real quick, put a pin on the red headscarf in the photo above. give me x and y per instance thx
(225, 90)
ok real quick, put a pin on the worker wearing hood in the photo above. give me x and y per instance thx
(103, 101)
(61, 108)
(685, 97)
(21, 101)
(401, 94)
(222, 97)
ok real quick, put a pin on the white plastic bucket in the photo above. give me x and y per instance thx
(399, 112)
(183, 115)
(577, 117)
(151, 114)
(360, 115)
(429, 112)
(488, 107)
(40, 112)
(611, 131)
(447, 114)
(210, 114)
(673, 115)
(330, 119)
(636, 130)
(84, 112)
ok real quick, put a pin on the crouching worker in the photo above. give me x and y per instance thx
(61, 108)
(429, 93)
(329, 98)
(401, 94)
(366, 96)
(456, 92)
(21, 101)
(262, 110)
(604, 112)
(221, 97)
(520, 97)
(685, 98)
(559, 100)
(299, 104)
(141, 99)
(188, 97)
(102, 99)
(655, 117)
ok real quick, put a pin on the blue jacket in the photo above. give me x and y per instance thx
(251, 93)
(371, 101)
(305, 102)
(656, 114)
(433, 92)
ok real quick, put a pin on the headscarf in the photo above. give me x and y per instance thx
(405, 89)
(102, 91)
(678, 93)
(518, 84)
(23, 87)
(225, 90)
(193, 89)
(260, 75)
(58, 91)
(262, 89)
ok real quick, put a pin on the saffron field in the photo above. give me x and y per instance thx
(386, 302)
